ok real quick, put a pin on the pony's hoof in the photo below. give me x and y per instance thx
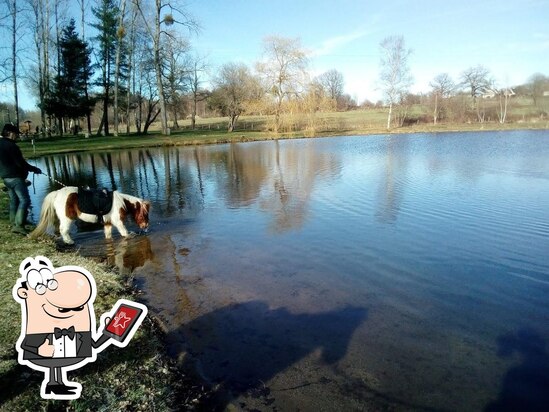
(62, 246)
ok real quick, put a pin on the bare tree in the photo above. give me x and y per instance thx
(504, 96)
(136, 46)
(12, 7)
(120, 33)
(332, 82)
(477, 80)
(395, 74)
(156, 31)
(13, 27)
(234, 86)
(40, 20)
(537, 84)
(442, 88)
(59, 13)
(4, 76)
(147, 94)
(198, 67)
(177, 68)
(38, 23)
(283, 70)
(86, 86)
(107, 16)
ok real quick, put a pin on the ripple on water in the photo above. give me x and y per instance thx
(268, 253)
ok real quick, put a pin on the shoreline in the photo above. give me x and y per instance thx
(79, 144)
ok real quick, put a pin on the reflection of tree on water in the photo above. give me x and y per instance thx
(181, 188)
(198, 171)
(291, 209)
(82, 170)
(280, 181)
(71, 170)
(240, 174)
(167, 178)
(107, 159)
(150, 181)
(393, 181)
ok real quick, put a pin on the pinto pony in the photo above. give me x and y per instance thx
(63, 204)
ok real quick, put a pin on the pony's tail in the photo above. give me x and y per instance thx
(47, 216)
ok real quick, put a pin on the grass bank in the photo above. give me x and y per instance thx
(139, 377)
(251, 128)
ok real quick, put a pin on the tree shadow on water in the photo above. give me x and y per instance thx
(240, 347)
(526, 386)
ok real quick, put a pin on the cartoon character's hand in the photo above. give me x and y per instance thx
(46, 350)
(107, 320)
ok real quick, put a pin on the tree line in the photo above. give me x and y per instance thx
(139, 66)
(449, 99)
(132, 63)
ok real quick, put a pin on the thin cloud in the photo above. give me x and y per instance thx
(540, 43)
(334, 43)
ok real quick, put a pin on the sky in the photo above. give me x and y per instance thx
(509, 37)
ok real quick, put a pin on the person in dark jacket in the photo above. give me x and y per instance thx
(14, 170)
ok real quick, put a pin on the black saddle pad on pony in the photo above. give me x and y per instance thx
(94, 201)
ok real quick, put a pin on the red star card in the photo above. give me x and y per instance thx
(123, 322)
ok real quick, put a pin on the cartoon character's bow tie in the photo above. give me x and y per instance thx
(64, 332)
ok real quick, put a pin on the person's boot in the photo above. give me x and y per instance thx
(20, 229)
(20, 221)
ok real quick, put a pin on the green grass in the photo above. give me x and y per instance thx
(138, 378)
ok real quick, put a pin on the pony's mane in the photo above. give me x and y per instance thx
(122, 196)
(138, 208)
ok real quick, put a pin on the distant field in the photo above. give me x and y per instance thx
(520, 112)
(521, 115)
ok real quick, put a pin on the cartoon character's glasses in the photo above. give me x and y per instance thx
(41, 280)
(50, 284)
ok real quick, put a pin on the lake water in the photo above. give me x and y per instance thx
(399, 272)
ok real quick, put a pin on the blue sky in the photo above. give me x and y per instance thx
(509, 37)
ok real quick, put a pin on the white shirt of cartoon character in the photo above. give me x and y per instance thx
(64, 347)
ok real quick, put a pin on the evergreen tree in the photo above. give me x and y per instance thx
(107, 15)
(68, 98)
